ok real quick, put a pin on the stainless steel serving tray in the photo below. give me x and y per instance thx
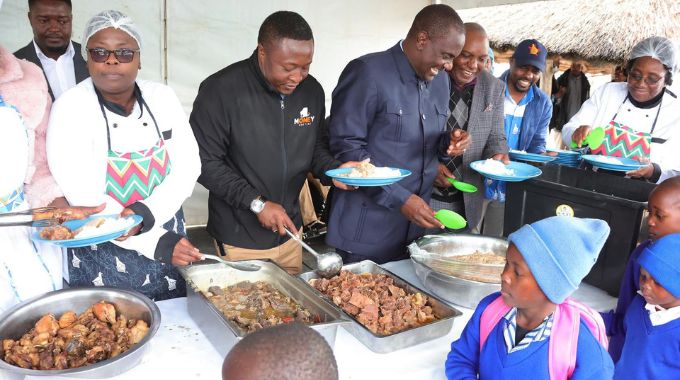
(223, 333)
(466, 293)
(405, 338)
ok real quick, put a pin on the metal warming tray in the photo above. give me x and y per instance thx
(466, 293)
(405, 338)
(223, 333)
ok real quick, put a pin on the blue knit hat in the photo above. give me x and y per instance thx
(530, 52)
(560, 251)
(662, 260)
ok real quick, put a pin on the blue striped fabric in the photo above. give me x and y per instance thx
(540, 333)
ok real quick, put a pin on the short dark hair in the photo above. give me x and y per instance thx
(31, 3)
(284, 24)
(473, 26)
(436, 20)
(288, 351)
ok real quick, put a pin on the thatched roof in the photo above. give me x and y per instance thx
(594, 30)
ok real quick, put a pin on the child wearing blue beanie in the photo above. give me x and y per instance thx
(652, 322)
(531, 329)
(663, 219)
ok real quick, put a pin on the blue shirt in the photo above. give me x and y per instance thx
(466, 361)
(514, 114)
(649, 352)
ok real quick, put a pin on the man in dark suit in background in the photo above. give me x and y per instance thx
(52, 48)
(392, 107)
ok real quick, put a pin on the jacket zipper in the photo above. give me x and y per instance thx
(283, 153)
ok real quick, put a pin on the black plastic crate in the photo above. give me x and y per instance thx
(619, 201)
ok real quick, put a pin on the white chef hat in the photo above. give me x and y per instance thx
(110, 19)
(660, 48)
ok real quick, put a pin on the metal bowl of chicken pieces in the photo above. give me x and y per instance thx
(134, 306)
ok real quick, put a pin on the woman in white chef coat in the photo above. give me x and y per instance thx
(126, 142)
(640, 117)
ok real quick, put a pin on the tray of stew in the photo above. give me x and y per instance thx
(228, 304)
(387, 312)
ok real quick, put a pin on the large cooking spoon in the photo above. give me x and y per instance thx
(462, 186)
(594, 139)
(327, 265)
(239, 266)
(451, 219)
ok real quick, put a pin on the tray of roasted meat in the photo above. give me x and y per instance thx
(387, 312)
(228, 304)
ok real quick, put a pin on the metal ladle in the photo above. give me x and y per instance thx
(327, 265)
(239, 266)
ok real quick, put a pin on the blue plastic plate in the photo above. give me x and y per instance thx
(624, 165)
(562, 153)
(530, 157)
(337, 174)
(92, 240)
(522, 171)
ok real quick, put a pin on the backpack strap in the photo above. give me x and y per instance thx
(490, 318)
(563, 344)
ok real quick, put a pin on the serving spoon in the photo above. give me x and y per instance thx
(327, 264)
(239, 266)
(593, 140)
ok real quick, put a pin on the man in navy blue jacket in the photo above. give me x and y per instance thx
(527, 115)
(392, 107)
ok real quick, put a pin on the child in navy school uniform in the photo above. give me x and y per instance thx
(663, 219)
(651, 349)
(531, 330)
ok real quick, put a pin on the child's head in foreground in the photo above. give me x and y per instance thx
(288, 351)
(660, 272)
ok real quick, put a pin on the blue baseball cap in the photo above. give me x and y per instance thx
(530, 52)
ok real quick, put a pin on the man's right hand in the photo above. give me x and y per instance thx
(580, 134)
(443, 173)
(417, 211)
(274, 218)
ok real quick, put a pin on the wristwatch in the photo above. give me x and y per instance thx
(257, 205)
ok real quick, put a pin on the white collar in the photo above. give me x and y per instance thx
(659, 316)
(69, 53)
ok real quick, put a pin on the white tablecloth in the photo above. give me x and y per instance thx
(180, 350)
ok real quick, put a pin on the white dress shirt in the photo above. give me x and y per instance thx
(660, 316)
(60, 73)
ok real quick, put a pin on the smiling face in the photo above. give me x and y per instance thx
(518, 286)
(51, 24)
(654, 293)
(111, 77)
(522, 77)
(664, 212)
(644, 70)
(285, 63)
(472, 59)
(435, 54)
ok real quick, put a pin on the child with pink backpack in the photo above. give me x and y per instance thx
(532, 329)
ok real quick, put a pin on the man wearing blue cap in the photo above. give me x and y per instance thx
(527, 115)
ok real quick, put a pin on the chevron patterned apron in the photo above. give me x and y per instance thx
(131, 177)
(623, 141)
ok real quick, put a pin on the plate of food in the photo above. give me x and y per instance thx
(530, 157)
(94, 230)
(619, 164)
(512, 172)
(367, 174)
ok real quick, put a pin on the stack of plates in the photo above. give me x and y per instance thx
(567, 158)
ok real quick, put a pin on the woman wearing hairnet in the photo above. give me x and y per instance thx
(126, 142)
(640, 117)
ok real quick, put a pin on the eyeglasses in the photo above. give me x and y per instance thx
(650, 81)
(101, 55)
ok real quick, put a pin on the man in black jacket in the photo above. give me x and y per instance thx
(259, 127)
(52, 48)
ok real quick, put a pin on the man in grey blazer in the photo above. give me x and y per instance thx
(52, 48)
(476, 106)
